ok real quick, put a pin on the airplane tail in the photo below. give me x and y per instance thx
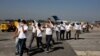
(55, 18)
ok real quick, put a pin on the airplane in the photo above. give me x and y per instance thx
(58, 21)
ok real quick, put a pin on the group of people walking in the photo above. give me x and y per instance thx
(37, 33)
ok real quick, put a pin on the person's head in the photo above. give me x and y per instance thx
(19, 20)
(61, 22)
(33, 21)
(67, 23)
(24, 22)
(72, 24)
(39, 25)
(78, 23)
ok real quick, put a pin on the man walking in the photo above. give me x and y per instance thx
(78, 29)
(62, 31)
(33, 34)
(68, 28)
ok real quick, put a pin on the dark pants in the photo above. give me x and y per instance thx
(39, 42)
(48, 40)
(57, 35)
(22, 46)
(77, 34)
(87, 29)
(32, 38)
(84, 29)
(62, 33)
(68, 34)
(53, 41)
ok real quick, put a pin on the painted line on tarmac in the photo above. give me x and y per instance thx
(87, 53)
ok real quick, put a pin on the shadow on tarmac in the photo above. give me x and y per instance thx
(36, 50)
(77, 39)
(4, 39)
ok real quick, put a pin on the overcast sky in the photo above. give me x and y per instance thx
(41, 9)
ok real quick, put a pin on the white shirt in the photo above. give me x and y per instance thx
(33, 29)
(77, 27)
(68, 27)
(22, 35)
(62, 27)
(56, 28)
(84, 26)
(48, 31)
(39, 33)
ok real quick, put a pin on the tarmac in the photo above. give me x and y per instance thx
(87, 45)
(7, 47)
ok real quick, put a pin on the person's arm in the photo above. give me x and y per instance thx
(45, 25)
(24, 29)
(42, 28)
(16, 33)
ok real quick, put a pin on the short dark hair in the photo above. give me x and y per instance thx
(61, 22)
(78, 23)
(33, 21)
(23, 21)
(19, 20)
(39, 25)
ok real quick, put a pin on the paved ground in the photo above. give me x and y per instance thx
(87, 45)
(7, 47)
(87, 42)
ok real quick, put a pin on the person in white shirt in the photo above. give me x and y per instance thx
(68, 28)
(78, 29)
(62, 31)
(22, 37)
(48, 32)
(84, 27)
(39, 36)
(92, 26)
(33, 34)
(87, 27)
(57, 30)
(50, 23)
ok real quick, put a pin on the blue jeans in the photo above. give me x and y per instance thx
(22, 46)
(17, 46)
